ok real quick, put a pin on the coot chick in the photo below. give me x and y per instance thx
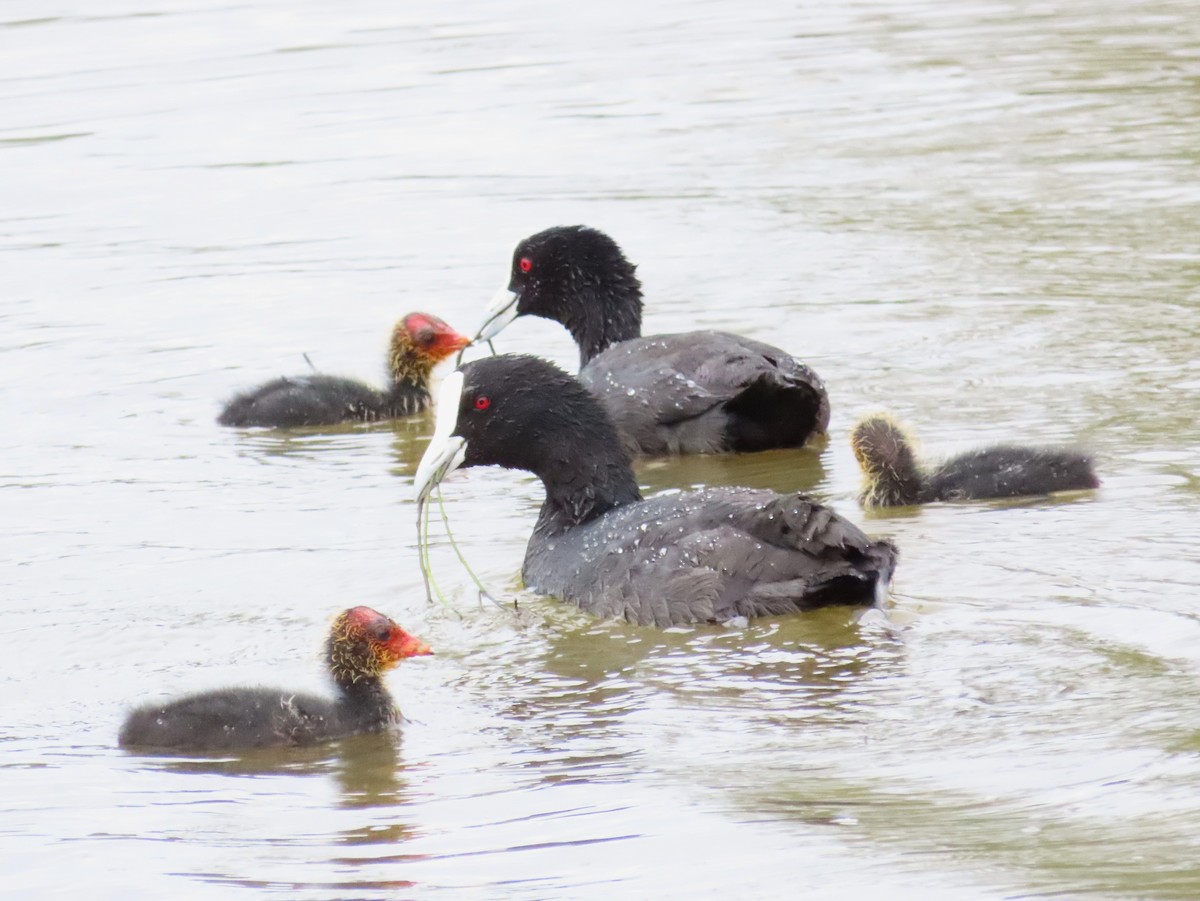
(694, 557)
(419, 342)
(692, 392)
(892, 477)
(362, 645)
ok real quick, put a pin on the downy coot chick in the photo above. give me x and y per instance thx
(693, 557)
(692, 392)
(892, 477)
(362, 645)
(419, 342)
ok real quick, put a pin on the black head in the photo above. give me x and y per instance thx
(549, 269)
(577, 276)
(523, 412)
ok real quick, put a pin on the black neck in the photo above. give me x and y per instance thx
(366, 703)
(577, 492)
(606, 314)
(543, 421)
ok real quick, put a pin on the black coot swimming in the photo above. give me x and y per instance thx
(892, 477)
(693, 392)
(419, 342)
(700, 556)
(362, 645)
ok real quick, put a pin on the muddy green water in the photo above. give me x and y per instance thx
(981, 216)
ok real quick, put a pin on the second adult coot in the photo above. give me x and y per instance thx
(419, 342)
(892, 476)
(695, 557)
(692, 392)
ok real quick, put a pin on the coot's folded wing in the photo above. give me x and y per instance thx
(707, 391)
(712, 555)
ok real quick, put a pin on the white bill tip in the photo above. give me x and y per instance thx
(501, 311)
(446, 451)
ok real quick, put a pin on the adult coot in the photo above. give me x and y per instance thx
(892, 476)
(693, 392)
(419, 341)
(694, 557)
(362, 645)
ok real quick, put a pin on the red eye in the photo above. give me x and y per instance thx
(526, 264)
(482, 402)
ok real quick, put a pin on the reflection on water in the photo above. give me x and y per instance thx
(979, 217)
(367, 768)
(779, 470)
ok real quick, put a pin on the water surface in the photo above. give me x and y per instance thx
(979, 216)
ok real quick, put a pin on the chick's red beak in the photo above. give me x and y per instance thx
(439, 340)
(405, 645)
(450, 342)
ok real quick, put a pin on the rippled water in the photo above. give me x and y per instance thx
(980, 216)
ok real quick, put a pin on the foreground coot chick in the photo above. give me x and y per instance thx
(419, 342)
(362, 645)
(693, 392)
(892, 477)
(693, 557)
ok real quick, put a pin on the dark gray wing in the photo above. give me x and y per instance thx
(677, 393)
(711, 555)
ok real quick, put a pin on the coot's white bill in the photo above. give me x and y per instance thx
(445, 452)
(500, 312)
